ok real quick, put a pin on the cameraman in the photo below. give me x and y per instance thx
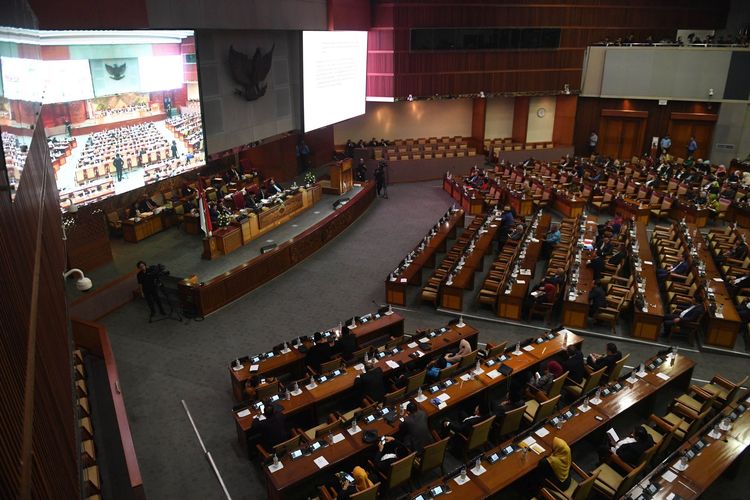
(148, 283)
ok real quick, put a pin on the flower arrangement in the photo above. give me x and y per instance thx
(224, 219)
(309, 177)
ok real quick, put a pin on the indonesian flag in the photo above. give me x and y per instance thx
(203, 211)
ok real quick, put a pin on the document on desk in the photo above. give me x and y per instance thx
(412, 345)
(253, 368)
(493, 374)
(444, 397)
(663, 376)
(529, 347)
(274, 467)
(321, 462)
(244, 413)
(541, 432)
(528, 441)
(392, 364)
(424, 340)
(338, 437)
(669, 476)
(465, 377)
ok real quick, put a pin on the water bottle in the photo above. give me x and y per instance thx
(419, 393)
(518, 347)
(641, 368)
(463, 473)
(478, 367)
(354, 424)
(367, 358)
(275, 460)
(286, 346)
(598, 393)
(237, 363)
(586, 402)
(478, 464)
(524, 453)
(287, 395)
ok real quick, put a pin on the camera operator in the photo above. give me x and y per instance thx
(148, 283)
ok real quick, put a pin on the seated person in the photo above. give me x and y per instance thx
(738, 251)
(597, 298)
(414, 429)
(629, 449)
(573, 364)
(146, 205)
(345, 489)
(543, 382)
(604, 248)
(319, 353)
(552, 239)
(737, 283)
(544, 292)
(512, 401)
(370, 384)
(389, 450)
(743, 310)
(681, 268)
(690, 312)
(608, 360)
(252, 384)
(433, 369)
(274, 188)
(556, 467)
(558, 278)
(464, 422)
(517, 233)
(464, 349)
(272, 430)
(346, 344)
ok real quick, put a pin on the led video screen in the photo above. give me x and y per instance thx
(121, 109)
(334, 74)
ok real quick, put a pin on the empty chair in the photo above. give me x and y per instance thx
(578, 490)
(539, 411)
(588, 385)
(510, 423)
(280, 449)
(399, 472)
(478, 436)
(433, 456)
(724, 391)
(612, 484)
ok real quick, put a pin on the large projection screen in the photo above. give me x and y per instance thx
(120, 109)
(334, 76)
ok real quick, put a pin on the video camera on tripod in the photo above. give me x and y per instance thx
(156, 272)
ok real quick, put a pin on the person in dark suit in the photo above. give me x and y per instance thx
(691, 312)
(738, 251)
(630, 449)
(740, 282)
(605, 247)
(517, 233)
(273, 429)
(415, 429)
(597, 266)
(370, 384)
(347, 344)
(513, 401)
(597, 298)
(118, 163)
(464, 423)
(608, 360)
(389, 450)
(573, 364)
(318, 353)
(274, 188)
(681, 267)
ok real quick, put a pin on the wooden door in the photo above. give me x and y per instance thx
(683, 126)
(622, 137)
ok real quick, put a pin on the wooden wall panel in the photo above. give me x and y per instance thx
(520, 119)
(37, 417)
(582, 23)
(478, 120)
(658, 119)
(349, 15)
(565, 120)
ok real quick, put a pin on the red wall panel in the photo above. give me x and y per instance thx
(55, 52)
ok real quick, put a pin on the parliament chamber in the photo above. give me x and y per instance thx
(486, 250)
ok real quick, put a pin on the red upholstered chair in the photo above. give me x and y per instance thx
(238, 199)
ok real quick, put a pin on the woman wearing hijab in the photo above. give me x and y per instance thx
(556, 467)
(345, 489)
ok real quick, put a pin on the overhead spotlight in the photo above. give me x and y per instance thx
(83, 284)
(711, 92)
(481, 94)
(566, 89)
(410, 98)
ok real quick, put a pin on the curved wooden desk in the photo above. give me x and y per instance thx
(205, 298)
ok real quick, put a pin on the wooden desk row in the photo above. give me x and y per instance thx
(285, 483)
(293, 361)
(510, 304)
(575, 311)
(453, 290)
(470, 199)
(516, 465)
(309, 398)
(716, 455)
(720, 331)
(647, 322)
(396, 283)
